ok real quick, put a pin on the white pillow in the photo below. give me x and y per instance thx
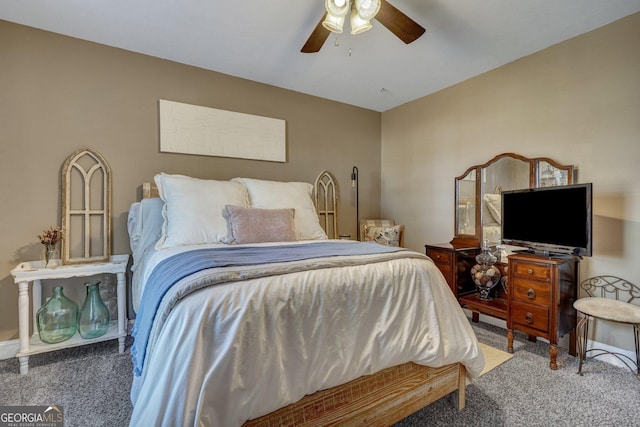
(134, 225)
(145, 226)
(282, 195)
(193, 209)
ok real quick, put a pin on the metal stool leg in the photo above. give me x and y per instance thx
(583, 331)
(636, 336)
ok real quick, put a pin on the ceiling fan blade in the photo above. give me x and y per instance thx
(316, 39)
(405, 28)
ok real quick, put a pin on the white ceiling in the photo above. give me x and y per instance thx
(260, 40)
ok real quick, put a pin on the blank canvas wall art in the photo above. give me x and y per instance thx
(192, 129)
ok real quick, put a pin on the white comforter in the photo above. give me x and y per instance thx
(237, 351)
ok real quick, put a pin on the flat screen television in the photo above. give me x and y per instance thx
(549, 220)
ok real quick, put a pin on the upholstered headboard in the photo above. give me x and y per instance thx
(149, 190)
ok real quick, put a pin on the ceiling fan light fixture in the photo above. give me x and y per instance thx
(337, 8)
(403, 27)
(367, 9)
(359, 25)
(333, 23)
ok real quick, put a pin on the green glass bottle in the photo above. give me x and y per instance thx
(93, 320)
(57, 319)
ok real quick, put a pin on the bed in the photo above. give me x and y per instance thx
(248, 314)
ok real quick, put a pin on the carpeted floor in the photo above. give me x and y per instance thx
(92, 384)
(523, 391)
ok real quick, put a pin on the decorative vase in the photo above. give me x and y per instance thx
(485, 275)
(501, 252)
(93, 319)
(50, 255)
(57, 319)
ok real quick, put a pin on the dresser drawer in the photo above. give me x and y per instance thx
(531, 270)
(440, 257)
(530, 316)
(531, 291)
(541, 294)
(447, 272)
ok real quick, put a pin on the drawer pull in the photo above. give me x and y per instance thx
(528, 318)
(531, 294)
(530, 270)
(438, 256)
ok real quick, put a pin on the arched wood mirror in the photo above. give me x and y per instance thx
(478, 199)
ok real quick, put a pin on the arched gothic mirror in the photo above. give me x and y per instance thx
(478, 199)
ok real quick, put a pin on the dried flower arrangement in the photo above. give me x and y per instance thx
(50, 238)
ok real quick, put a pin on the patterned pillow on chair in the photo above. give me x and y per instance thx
(374, 222)
(389, 235)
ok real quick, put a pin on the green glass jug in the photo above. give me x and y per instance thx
(93, 320)
(57, 319)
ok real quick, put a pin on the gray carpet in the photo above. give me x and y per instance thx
(523, 391)
(92, 384)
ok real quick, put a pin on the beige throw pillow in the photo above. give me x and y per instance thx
(264, 194)
(252, 225)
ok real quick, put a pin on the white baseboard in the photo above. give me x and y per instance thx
(564, 342)
(610, 358)
(9, 349)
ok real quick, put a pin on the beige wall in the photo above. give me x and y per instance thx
(577, 102)
(59, 94)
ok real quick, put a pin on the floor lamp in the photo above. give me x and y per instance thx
(354, 184)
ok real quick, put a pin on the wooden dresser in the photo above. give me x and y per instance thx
(455, 265)
(541, 292)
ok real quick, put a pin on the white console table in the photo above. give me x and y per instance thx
(31, 272)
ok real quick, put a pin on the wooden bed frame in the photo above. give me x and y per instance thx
(379, 399)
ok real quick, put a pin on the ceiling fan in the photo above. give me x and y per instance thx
(362, 11)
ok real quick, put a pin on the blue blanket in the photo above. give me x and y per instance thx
(173, 269)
